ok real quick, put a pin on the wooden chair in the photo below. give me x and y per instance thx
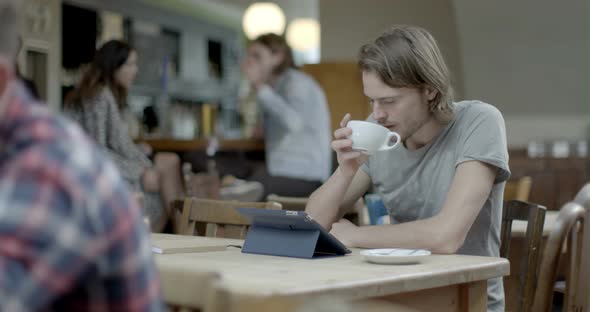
(219, 216)
(289, 203)
(579, 300)
(518, 189)
(565, 226)
(582, 198)
(529, 264)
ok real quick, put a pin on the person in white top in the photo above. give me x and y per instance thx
(295, 116)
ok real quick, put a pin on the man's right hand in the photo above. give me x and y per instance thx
(349, 160)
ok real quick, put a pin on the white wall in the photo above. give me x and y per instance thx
(533, 127)
(529, 58)
(298, 8)
(527, 55)
(348, 24)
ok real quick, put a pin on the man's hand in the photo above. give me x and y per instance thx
(349, 160)
(345, 231)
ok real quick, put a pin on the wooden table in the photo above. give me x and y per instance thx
(439, 283)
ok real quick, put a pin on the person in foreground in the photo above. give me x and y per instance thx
(443, 186)
(71, 236)
(296, 120)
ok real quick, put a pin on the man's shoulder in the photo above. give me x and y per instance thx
(43, 141)
(52, 156)
(467, 111)
(43, 128)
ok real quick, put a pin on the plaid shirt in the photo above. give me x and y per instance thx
(71, 236)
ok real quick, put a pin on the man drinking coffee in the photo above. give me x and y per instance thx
(443, 185)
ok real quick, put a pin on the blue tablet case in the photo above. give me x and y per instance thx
(289, 234)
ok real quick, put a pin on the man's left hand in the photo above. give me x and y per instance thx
(345, 231)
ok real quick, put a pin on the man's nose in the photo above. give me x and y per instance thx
(378, 113)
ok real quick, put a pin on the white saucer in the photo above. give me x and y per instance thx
(394, 255)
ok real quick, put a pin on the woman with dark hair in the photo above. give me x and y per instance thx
(296, 120)
(98, 104)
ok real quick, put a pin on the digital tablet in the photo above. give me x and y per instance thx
(289, 231)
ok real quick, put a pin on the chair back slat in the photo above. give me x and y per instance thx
(219, 217)
(572, 255)
(534, 215)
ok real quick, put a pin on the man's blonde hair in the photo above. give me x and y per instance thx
(9, 20)
(408, 56)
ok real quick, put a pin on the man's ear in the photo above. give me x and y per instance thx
(430, 93)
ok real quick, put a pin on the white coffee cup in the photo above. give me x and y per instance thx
(369, 137)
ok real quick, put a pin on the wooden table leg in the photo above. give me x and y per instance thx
(473, 296)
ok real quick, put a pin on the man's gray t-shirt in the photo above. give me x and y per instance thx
(414, 183)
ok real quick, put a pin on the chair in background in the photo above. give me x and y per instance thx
(570, 291)
(570, 215)
(528, 266)
(581, 302)
(519, 189)
(219, 216)
(582, 198)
